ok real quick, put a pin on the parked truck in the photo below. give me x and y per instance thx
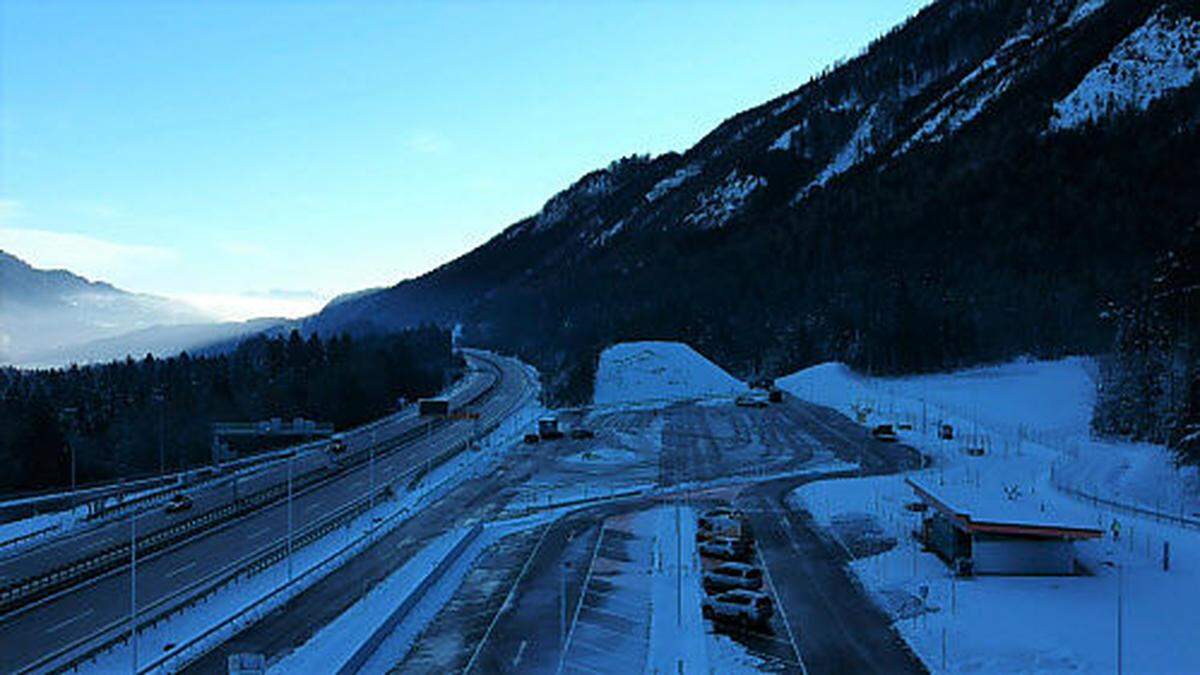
(433, 406)
(548, 428)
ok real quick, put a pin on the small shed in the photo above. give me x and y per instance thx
(996, 530)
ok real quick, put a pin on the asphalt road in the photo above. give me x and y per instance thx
(78, 613)
(279, 632)
(507, 619)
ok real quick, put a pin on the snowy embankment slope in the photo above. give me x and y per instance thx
(659, 372)
(1029, 404)
(1029, 417)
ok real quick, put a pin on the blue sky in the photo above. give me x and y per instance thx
(258, 157)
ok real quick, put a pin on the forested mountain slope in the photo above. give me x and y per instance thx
(977, 184)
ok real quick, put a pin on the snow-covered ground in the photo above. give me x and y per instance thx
(1028, 416)
(1021, 407)
(662, 372)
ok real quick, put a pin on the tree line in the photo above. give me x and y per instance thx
(115, 415)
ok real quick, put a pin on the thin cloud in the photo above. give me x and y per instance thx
(92, 257)
(427, 143)
(253, 305)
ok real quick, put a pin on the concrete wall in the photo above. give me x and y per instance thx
(1022, 556)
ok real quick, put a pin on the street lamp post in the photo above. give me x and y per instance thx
(289, 518)
(133, 641)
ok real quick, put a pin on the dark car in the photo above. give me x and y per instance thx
(532, 438)
(179, 502)
(581, 434)
(885, 432)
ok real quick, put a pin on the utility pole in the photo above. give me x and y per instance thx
(133, 641)
(289, 518)
(371, 499)
(562, 618)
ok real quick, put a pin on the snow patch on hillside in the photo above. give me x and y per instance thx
(648, 372)
(673, 181)
(784, 141)
(858, 148)
(1160, 56)
(603, 238)
(716, 207)
(596, 184)
(1083, 10)
(970, 97)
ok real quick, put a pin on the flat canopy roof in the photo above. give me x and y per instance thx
(988, 509)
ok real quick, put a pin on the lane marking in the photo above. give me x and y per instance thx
(520, 652)
(562, 659)
(512, 592)
(63, 624)
(180, 570)
(782, 611)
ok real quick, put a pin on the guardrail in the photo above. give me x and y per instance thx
(22, 592)
(73, 655)
(368, 647)
(28, 535)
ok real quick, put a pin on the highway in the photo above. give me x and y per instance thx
(78, 613)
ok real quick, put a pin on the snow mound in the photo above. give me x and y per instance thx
(1162, 55)
(639, 372)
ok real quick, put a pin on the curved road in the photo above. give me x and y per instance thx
(32, 633)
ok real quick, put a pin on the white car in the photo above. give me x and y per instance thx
(755, 399)
(732, 575)
(739, 606)
(725, 548)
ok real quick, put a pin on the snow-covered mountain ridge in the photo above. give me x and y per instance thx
(783, 233)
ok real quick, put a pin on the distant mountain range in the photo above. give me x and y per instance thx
(55, 317)
(974, 186)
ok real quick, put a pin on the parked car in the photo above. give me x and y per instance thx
(885, 432)
(946, 432)
(179, 502)
(721, 512)
(532, 438)
(731, 575)
(739, 606)
(726, 548)
(775, 395)
(723, 525)
(579, 433)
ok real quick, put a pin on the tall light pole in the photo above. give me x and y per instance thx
(562, 618)
(133, 641)
(289, 517)
(371, 499)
